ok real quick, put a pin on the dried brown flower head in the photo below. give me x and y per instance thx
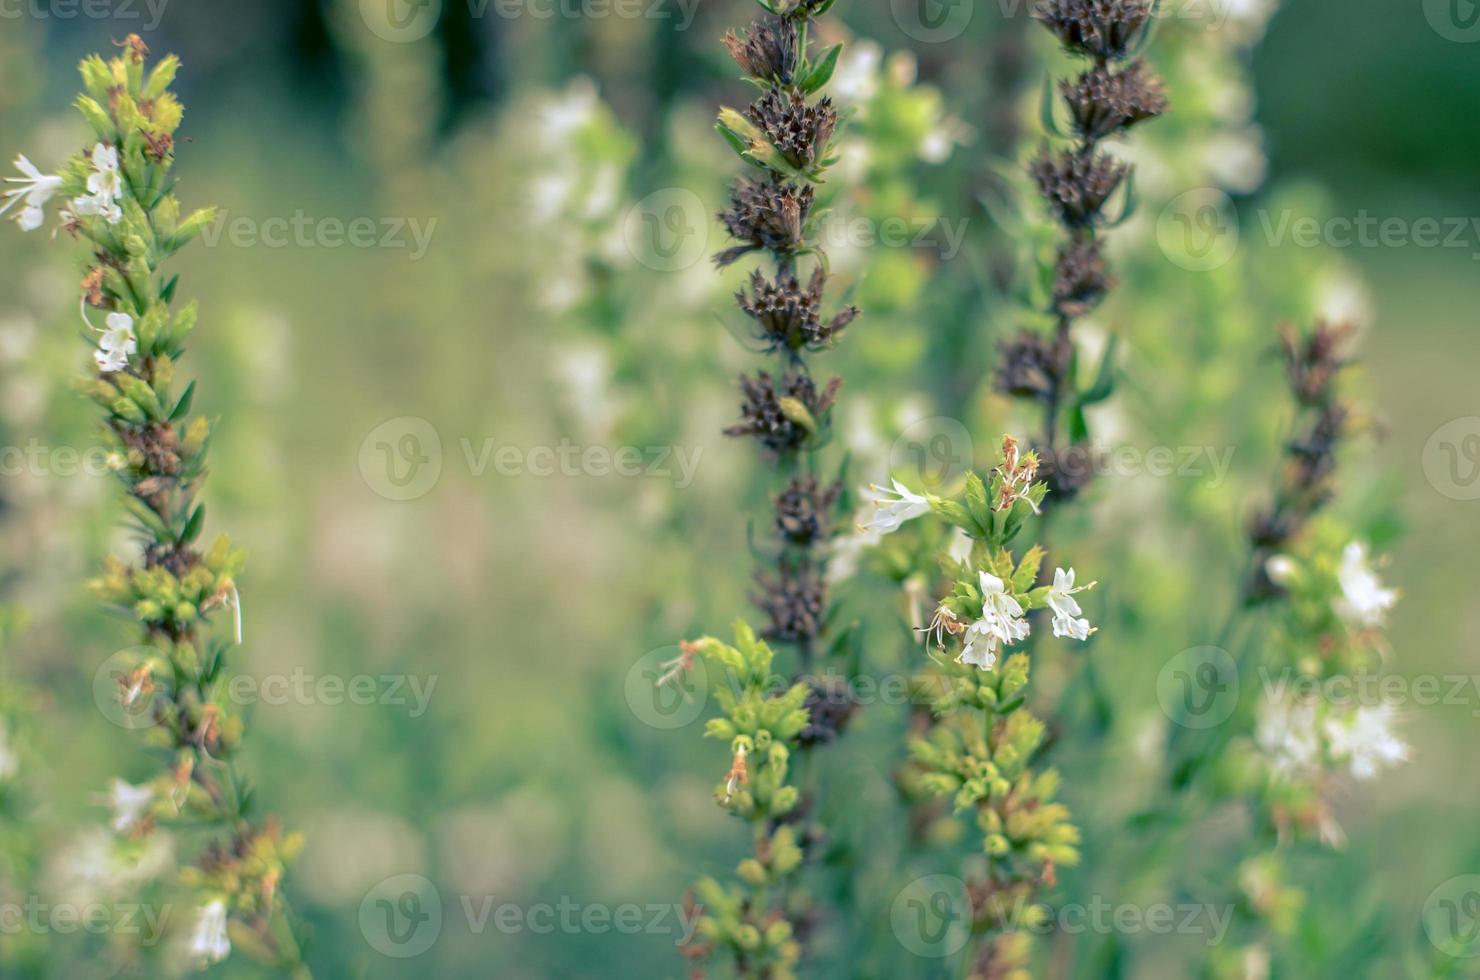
(783, 420)
(799, 130)
(1313, 361)
(770, 215)
(1102, 29)
(831, 702)
(795, 601)
(789, 314)
(767, 50)
(805, 510)
(1077, 183)
(1103, 101)
(1028, 367)
(1080, 280)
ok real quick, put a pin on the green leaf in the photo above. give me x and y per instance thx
(193, 526)
(1046, 111)
(822, 70)
(1104, 383)
(183, 405)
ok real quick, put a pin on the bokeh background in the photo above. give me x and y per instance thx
(559, 163)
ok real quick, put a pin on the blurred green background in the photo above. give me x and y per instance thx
(525, 605)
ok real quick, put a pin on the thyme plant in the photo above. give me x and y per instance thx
(119, 202)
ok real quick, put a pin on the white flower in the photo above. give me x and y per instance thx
(1365, 740)
(116, 344)
(1002, 623)
(1364, 602)
(105, 186)
(1066, 611)
(37, 189)
(1281, 569)
(209, 941)
(891, 513)
(1288, 735)
(129, 803)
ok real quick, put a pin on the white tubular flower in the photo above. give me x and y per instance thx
(1364, 603)
(1002, 624)
(1288, 735)
(116, 344)
(891, 513)
(37, 188)
(1365, 740)
(1067, 619)
(104, 185)
(209, 942)
(129, 803)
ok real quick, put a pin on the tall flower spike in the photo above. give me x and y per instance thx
(1077, 183)
(787, 134)
(175, 589)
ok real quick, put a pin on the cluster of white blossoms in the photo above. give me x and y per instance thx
(129, 804)
(104, 195)
(104, 186)
(116, 344)
(1001, 624)
(1364, 603)
(1298, 735)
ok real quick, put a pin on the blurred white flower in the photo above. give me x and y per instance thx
(129, 804)
(1363, 602)
(1288, 735)
(1365, 740)
(1236, 158)
(1066, 611)
(208, 942)
(37, 188)
(890, 514)
(856, 78)
(1280, 569)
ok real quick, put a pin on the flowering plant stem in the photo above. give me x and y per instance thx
(174, 683)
